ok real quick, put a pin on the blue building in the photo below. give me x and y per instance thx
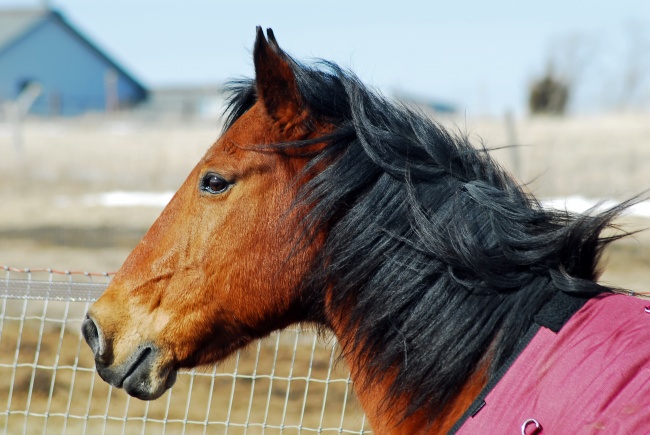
(40, 47)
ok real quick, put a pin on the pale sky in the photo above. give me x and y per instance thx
(478, 55)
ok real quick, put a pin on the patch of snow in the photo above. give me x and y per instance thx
(129, 199)
(580, 204)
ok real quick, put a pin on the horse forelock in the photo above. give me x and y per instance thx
(433, 255)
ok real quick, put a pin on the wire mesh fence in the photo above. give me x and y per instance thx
(289, 383)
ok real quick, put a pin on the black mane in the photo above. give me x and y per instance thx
(435, 252)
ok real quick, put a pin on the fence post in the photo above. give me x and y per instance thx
(17, 110)
(513, 144)
(111, 91)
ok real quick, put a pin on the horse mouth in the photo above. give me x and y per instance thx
(137, 364)
(144, 378)
(143, 388)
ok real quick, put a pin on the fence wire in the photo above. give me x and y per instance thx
(289, 383)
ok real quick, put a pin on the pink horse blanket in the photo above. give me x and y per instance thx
(592, 377)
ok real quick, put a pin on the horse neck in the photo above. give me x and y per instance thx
(386, 416)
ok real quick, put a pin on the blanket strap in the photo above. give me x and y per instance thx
(553, 315)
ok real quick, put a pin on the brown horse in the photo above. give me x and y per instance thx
(323, 202)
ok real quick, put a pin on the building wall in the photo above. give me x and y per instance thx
(71, 72)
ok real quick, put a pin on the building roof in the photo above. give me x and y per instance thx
(16, 24)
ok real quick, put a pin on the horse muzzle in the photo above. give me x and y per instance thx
(143, 374)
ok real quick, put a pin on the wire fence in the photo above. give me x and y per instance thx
(289, 383)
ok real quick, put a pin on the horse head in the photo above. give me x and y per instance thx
(219, 268)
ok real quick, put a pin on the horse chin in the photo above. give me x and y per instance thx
(144, 375)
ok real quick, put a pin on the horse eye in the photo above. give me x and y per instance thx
(213, 183)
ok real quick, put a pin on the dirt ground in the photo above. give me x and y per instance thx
(46, 221)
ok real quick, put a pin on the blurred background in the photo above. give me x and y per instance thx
(106, 106)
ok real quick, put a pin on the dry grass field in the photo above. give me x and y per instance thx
(46, 220)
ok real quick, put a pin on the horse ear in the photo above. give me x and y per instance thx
(276, 83)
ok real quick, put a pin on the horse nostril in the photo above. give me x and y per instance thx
(91, 334)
